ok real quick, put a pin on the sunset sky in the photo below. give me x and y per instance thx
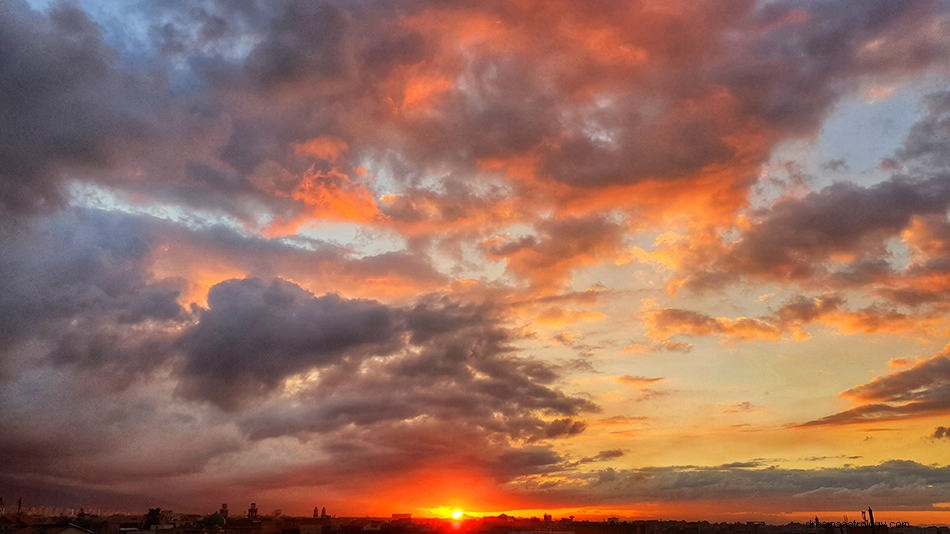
(653, 260)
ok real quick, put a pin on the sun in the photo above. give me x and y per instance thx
(447, 512)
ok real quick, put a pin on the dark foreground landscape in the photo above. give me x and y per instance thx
(158, 521)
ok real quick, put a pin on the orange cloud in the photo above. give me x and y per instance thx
(323, 147)
(790, 320)
(557, 316)
(327, 195)
(638, 381)
(420, 90)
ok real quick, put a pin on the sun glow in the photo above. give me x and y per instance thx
(447, 512)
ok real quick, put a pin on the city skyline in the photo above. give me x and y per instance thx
(684, 260)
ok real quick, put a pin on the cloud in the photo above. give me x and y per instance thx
(841, 236)
(397, 388)
(66, 104)
(737, 407)
(789, 321)
(83, 428)
(796, 238)
(920, 390)
(603, 456)
(638, 381)
(926, 144)
(77, 286)
(257, 333)
(87, 323)
(655, 346)
(899, 483)
(546, 260)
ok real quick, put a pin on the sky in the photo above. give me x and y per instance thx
(637, 259)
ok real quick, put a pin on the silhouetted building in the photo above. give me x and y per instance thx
(224, 510)
(252, 511)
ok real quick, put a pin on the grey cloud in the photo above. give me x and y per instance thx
(458, 367)
(794, 239)
(305, 42)
(87, 323)
(65, 104)
(256, 333)
(839, 218)
(79, 283)
(926, 144)
(452, 389)
(899, 483)
(77, 426)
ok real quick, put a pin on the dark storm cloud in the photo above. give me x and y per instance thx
(923, 389)
(82, 426)
(79, 284)
(96, 345)
(304, 42)
(795, 238)
(901, 484)
(86, 328)
(66, 106)
(256, 333)
(443, 362)
(396, 388)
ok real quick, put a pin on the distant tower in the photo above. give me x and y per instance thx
(323, 512)
(224, 510)
(871, 517)
(316, 511)
(252, 511)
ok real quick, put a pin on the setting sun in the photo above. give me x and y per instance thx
(446, 512)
